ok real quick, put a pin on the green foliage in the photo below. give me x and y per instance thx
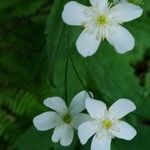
(33, 140)
(109, 75)
(27, 78)
(15, 105)
(138, 2)
(23, 81)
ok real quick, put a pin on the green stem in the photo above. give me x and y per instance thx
(66, 77)
(79, 78)
(77, 74)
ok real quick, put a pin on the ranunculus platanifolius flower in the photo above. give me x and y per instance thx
(64, 120)
(102, 21)
(106, 124)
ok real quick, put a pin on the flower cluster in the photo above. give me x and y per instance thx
(101, 123)
(101, 21)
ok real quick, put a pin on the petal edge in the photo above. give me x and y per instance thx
(121, 108)
(73, 13)
(46, 121)
(119, 37)
(87, 44)
(124, 131)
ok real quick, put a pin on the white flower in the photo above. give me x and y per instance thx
(64, 119)
(106, 124)
(100, 21)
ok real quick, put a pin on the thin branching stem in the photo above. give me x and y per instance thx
(66, 81)
(79, 78)
(66, 76)
(77, 74)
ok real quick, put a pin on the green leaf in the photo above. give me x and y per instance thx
(108, 74)
(33, 140)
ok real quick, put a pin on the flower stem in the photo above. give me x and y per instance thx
(77, 74)
(107, 97)
(66, 77)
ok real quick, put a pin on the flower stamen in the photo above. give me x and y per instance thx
(101, 20)
(67, 118)
(107, 124)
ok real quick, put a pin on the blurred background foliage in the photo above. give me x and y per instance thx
(34, 47)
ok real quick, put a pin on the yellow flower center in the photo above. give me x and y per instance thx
(101, 20)
(107, 124)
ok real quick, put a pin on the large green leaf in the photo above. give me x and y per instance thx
(34, 140)
(106, 73)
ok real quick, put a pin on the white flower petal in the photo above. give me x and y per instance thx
(67, 135)
(57, 104)
(101, 142)
(120, 38)
(87, 130)
(124, 131)
(46, 121)
(78, 103)
(87, 43)
(74, 13)
(96, 109)
(124, 11)
(101, 5)
(57, 134)
(121, 108)
(79, 119)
